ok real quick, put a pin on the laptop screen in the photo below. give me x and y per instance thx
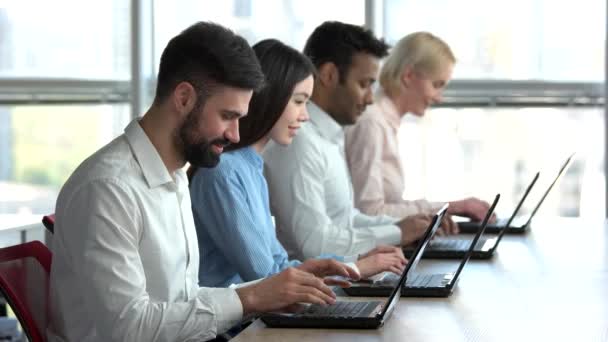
(559, 174)
(482, 228)
(521, 202)
(414, 259)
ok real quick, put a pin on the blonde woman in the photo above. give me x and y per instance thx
(412, 79)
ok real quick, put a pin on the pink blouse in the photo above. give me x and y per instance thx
(372, 153)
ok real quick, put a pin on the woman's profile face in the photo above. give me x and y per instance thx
(294, 114)
(426, 89)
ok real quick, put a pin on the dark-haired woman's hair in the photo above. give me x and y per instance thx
(284, 67)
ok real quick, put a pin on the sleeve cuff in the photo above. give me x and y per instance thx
(236, 286)
(350, 258)
(387, 235)
(226, 305)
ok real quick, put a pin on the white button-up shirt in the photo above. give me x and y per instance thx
(125, 253)
(311, 195)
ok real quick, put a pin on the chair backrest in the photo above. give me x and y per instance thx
(49, 222)
(24, 282)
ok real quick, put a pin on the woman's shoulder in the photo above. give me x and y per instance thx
(231, 163)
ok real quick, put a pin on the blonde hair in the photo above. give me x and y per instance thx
(422, 51)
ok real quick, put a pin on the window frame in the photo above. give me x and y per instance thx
(138, 91)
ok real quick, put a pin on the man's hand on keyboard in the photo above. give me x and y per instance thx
(284, 289)
(380, 259)
(448, 226)
(413, 227)
(328, 268)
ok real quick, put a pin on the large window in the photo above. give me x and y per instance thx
(40, 146)
(453, 153)
(290, 21)
(521, 67)
(64, 67)
(517, 39)
(65, 39)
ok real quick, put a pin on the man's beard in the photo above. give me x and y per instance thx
(198, 153)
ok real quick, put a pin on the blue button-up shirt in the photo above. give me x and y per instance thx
(237, 239)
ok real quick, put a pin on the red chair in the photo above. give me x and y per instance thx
(24, 282)
(49, 222)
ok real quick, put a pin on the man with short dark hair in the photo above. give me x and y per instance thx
(125, 251)
(310, 187)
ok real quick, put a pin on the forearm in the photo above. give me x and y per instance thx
(124, 310)
(349, 240)
(211, 312)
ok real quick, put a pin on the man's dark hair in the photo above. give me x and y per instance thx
(338, 42)
(284, 68)
(205, 55)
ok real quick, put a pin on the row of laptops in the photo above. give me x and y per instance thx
(372, 314)
(517, 224)
(485, 248)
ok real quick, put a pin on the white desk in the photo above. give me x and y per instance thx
(551, 284)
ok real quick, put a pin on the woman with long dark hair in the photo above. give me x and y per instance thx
(237, 239)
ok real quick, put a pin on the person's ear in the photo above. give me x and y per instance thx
(184, 97)
(407, 76)
(328, 75)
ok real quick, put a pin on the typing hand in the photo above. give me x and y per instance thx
(471, 207)
(329, 267)
(284, 289)
(413, 228)
(381, 259)
(448, 226)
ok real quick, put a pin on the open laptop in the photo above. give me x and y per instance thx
(350, 314)
(421, 285)
(446, 248)
(501, 223)
(519, 224)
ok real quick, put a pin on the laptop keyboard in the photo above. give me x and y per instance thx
(340, 309)
(420, 280)
(427, 280)
(460, 245)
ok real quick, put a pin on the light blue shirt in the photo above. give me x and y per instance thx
(237, 239)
